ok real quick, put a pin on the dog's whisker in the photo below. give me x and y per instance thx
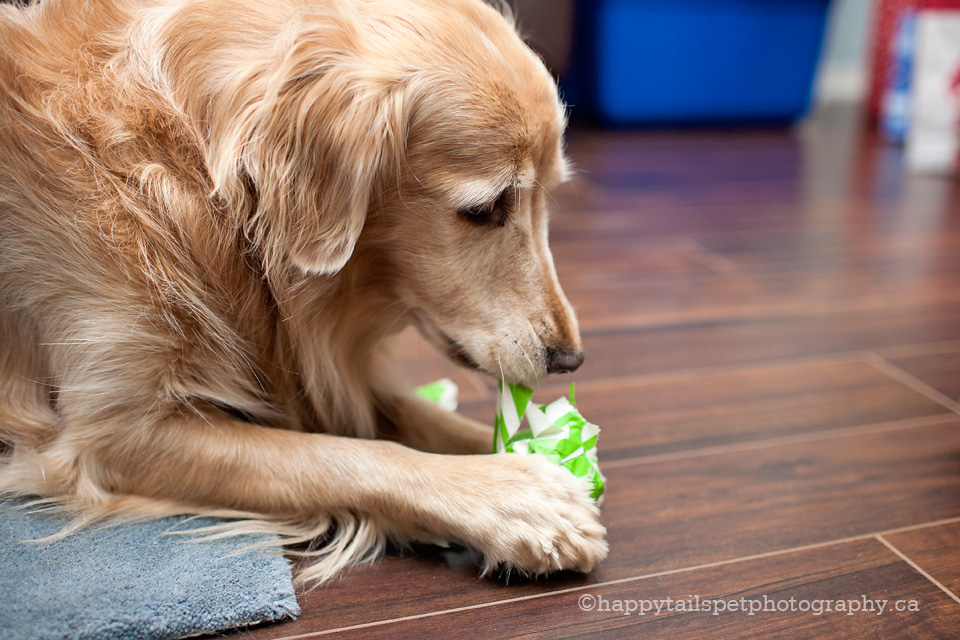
(545, 190)
(500, 362)
(533, 368)
(388, 330)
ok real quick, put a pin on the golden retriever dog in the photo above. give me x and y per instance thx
(213, 216)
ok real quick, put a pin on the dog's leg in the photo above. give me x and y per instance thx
(416, 422)
(425, 426)
(522, 511)
(26, 416)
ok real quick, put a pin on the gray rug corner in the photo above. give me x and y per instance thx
(132, 581)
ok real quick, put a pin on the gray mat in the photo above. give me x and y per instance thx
(132, 581)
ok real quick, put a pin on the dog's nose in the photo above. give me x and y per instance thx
(563, 361)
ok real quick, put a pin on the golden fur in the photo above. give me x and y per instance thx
(213, 214)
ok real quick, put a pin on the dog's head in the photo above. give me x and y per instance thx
(418, 142)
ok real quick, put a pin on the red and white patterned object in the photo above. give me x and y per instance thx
(885, 22)
(933, 145)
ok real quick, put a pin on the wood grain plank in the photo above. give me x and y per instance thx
(855, 573)
(844, 188)
(623, 282)
(906, 252)
(658, 349)
(829, 174)
(685, 513)
(643, 418)
(698, 510)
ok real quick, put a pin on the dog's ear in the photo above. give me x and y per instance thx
(313, 133)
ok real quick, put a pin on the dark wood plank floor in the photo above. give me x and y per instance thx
(772, 328)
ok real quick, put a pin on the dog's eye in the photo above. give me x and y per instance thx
(490, 214)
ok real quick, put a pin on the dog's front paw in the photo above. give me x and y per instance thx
(534, 516)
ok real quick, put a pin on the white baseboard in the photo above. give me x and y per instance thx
(840, 83)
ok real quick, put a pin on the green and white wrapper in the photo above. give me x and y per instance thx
(443, 393)
(556, 430)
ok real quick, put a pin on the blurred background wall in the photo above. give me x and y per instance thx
(844, 63)
(842, 73)
(706, 63)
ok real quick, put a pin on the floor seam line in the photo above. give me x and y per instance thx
(766, 443)
(714, 261)
(917, 567)
(646, 321)
(753, 366)
(885, 366)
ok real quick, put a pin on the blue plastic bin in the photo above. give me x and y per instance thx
(686, 61)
